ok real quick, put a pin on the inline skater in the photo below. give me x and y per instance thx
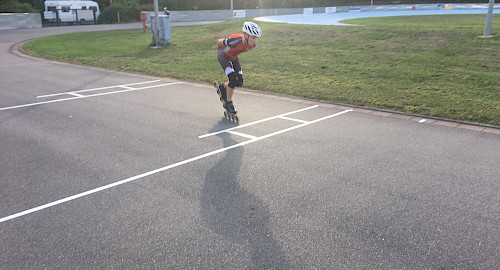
(229, 49)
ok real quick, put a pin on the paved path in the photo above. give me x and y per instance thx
(110, 170)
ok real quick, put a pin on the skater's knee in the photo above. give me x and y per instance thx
(240, 79)
(233, 81)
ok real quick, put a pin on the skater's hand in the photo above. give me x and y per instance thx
(240, 79)
(220, 44)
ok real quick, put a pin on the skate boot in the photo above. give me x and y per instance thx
(230, 112)
(222, 91)
(230, 107)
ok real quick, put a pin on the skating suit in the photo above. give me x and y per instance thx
(234, 46)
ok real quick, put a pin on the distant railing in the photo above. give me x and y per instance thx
(216, 15)
(69, 17)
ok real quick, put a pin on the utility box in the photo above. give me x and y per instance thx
(165, 33)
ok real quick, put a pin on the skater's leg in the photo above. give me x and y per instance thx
(229, 92)
(233, 82)
(233, 79)
(222, 92)
(228, 67)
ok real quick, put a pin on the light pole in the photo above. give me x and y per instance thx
(156, 33)
(487, 27)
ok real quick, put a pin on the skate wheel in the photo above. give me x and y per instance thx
(226, 115)
(236, 119)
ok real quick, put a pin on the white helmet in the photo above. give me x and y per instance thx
(252, 29)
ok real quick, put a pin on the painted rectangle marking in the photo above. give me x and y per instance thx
(143, 175)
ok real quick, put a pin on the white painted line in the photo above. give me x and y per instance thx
(292, 119)
(75, 94)
(303, 125)
(151, 86)
(326, 117)
(243, 135)
(256, 122)
(137, 177)
(88, 96)
(422, 121)
(124, 181)
(96, 89)
(38, 103)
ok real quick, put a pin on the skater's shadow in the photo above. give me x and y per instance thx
(232, 211)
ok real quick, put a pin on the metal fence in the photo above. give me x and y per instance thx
(69, 17)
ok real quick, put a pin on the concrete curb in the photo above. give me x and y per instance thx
(17, 50)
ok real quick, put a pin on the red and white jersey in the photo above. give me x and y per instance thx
(234, 46)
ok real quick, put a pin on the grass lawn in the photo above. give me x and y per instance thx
(428, 65)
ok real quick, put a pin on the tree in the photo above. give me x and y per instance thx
(14, 6)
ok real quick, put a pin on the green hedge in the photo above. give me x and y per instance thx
(13, 6)
(129, 12)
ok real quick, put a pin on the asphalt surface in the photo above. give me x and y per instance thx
(107, 170)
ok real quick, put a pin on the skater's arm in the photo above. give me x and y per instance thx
(220, 43)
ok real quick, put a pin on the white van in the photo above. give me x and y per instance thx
(71, 11)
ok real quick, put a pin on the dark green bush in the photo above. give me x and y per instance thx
(129, 12)
(13, 6)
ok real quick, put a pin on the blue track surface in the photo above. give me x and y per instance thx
(336, 18)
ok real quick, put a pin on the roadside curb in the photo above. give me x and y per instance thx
(17, 50)
(423, 119)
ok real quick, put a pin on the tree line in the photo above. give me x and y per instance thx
(30, 6)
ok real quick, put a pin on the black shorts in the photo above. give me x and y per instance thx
(227, 64)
